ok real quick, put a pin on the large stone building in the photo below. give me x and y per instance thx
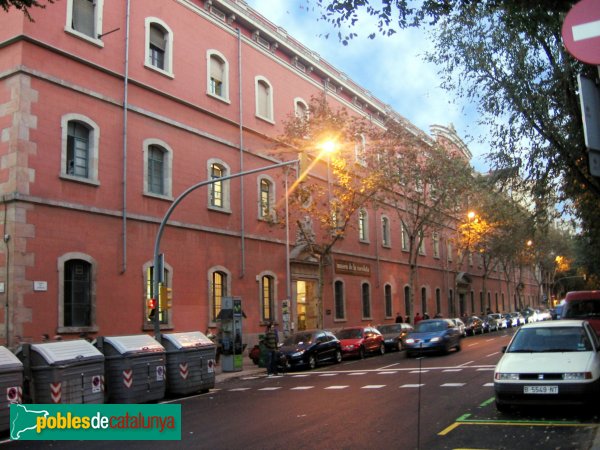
(109, 114)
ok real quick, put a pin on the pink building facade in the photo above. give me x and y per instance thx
(107, 115)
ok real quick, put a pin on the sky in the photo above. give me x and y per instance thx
(403, 79)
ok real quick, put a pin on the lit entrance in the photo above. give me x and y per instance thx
(306, 305)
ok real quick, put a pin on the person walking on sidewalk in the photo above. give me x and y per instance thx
(271, 343)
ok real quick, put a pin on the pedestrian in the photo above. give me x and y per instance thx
(418, 318)
(398, 318)
(425, 316)
(271, 343)
(407, 319)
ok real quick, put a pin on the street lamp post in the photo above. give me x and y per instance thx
(155, 277)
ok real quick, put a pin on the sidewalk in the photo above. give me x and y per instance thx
(249, 369)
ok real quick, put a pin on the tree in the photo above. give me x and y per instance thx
(426, 185)
(325, 211)
(23, 5)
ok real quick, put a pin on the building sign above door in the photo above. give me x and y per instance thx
(352, 268)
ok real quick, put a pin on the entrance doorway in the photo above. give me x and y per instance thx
(306, 305)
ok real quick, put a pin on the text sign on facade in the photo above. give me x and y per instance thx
(581, 31)
(352, 268)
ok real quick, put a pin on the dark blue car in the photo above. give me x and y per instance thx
(434, 335)
(310, 348)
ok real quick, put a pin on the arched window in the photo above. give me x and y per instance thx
(79, 157)
(157, 169)
(218, 192)
(340, 310)
(424, 299)
(264, 99)
(387, 292)
(266, 198)
(218, 290)
(363, 224)
(267, 298)
(159, 46)
(385, 232)
(77, 298)
(218, 75)
(366, 300)
(300, 109)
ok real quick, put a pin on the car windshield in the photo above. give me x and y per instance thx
(581, 309)
(350, 334)
(298, 338)
(425, 327)
(551, 339)
(384, 329)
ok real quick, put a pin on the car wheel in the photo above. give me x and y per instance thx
(409, 354)
(382, 349)
(338, 356)
(502, 407)
(312, 362)
(458, 346)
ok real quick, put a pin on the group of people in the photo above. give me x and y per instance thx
(417, 319)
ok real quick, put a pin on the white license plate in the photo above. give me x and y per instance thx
(540, 389)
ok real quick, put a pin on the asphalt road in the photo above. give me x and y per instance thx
(390, 401)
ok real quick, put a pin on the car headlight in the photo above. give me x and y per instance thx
(298, 353)
(500, 376)
(349, 346)
(410, 341)
(436, 339)
(574, 376)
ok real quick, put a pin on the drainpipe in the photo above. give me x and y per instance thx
(241, 131)
(7, 284)
(125, 103)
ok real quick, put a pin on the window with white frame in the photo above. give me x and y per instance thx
(77, 298)
(267, 298)
(157, 168)
(218, 191)
(84, 19)
(79, 157)
(159, 46)
(266, 196)
(436, 244)
(218, 75)
(363, 226)
(339, 299)
(264, 99)
(405, 238)
(300, 109)
(366, 300)
(385, 232)
(449, 250)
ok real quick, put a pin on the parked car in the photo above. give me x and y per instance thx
(499, 320)
(461, 326)
(473, 326)
(487, 326)
(550, 362)
(433, 335)
(359, 341)
(583, 305)
(310, 348)
(393, 334)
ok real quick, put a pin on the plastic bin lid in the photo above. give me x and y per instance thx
(188, 340)
(9, 360)
(62, 351)
(139, 343)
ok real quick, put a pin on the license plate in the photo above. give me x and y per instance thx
(540, 390)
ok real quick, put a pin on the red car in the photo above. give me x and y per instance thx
(358, 341)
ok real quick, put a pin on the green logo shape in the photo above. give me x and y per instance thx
(95, 422)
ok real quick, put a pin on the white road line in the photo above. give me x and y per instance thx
(238, 389)
(452, 384)
(412, 385)
(336, 387)
(489, 384)
(421, 371)
(373, 386)
(328, 374)
(483, 369)
(358, 373)
(301, 375)
(274, 388)
(387, 372)
(492, 354)
(387, 367)
(473, 344)
(452, 370)
(464, 364)
(301, 388)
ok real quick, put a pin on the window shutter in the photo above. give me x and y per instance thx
(216, 69)
(157, 37)
(83, 17)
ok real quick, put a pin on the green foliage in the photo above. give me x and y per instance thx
(23, 5)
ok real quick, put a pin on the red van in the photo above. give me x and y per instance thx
(583, 305)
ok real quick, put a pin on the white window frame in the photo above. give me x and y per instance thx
(271, 215)
(303, 115)
(421, 243)
(386, 234)
(225, 186)
(360, 150)
(212, 323)
(225, 82)
(271, 114)
(168, 70)
(96, 39)
(94, 139)
(167, 169)
(259, 278)
(405, 238)
(436, 244)
(363, 226)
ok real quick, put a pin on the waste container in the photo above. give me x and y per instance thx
(190, 362)
(11, 382)
(135, 368)
(62, 372)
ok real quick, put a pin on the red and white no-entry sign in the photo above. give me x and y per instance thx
(581, 31)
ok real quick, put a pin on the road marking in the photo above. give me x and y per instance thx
(300, 375)
(473, 344)
(492, 354)
(373, 386)
(419, 371)
(412, 385)
(336, 387)
(453, 384)
(328, 374)
(488, 385)
(388, 372)
(357, 373)
(586, 30)
(452, 370)
(274, 388)
(487, 402)
(238, 389)
(483, 369)
(301, 388)
(464, 364)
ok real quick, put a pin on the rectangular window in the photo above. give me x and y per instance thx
(265, 199)
(436, 245)
(263, 100)
(267, 298)
(218, 292)
(339, 301)
(83, 17)
(77, 303)
(404, 238)
(217, 186)
(388, 300)
(366, 301)
(156, 167)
